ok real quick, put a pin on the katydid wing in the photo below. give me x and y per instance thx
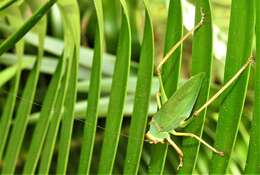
(178, 107)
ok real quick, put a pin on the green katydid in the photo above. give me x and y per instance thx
(176, 111)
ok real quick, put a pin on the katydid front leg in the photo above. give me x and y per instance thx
(178, 150)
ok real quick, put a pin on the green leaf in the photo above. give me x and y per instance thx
(8, 73)
(201, 62)
(67, 96)
(9, 43)
(117, 96)
(24, 108)
(68, 117)
(70, 12)
(6, 3)
(239, 49)
(8, 111)
(93, 96)
(135, 32)
(253, 161)
(111, 23)
(142, 99)
(53, 128)
(170, 75)
(41, 128)
(44, 119)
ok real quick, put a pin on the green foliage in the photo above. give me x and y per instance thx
(238, 50)
(9, 43)
(24, 108)
(44, 119)
(56, 95)
(170, 74)
(117, 96)
(142, 98)
(202, 47)
(6, 74)
(254, 152)
(94, 95)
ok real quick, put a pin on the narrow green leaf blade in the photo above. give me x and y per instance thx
(170, 75)
(8, 111)
(68, 118)
(253, 158)
(71, 46)
(117, 96)
(53, 128)
(9, 43)
(44, 119)
(6, 117)
(24, 109)
(239, 49)
(174, 32)
(70, 12)
(111, 23)
(5, 121)
(142, 98)
(7, 74)
(93, 96)
(201, 62)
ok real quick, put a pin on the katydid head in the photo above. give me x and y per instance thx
(155, 136)
(150, 138)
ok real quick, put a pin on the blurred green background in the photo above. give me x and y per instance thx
(53, 49)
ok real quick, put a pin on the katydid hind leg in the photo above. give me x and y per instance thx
(178, 150)
(186, 134)
(228, 84)
(171, 51)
